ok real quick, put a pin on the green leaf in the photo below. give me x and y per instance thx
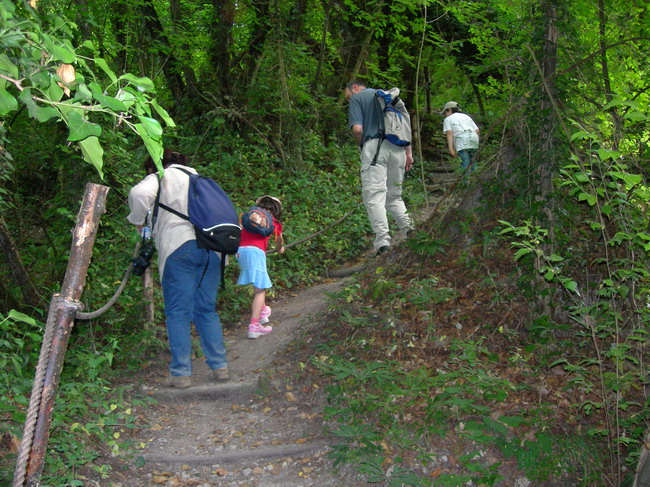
(88, 45)
(83, 93)
(8, 102)
(163, 113)
(581, 177)
(80, 128)
(54, 92)
(154, 147)
(104, 67)
(521, 252)
(63, 54)
(549, 274)
(106, 101)
(605, 154)
(7, 66)
(152, 126)
(125, 97)
(59, 52)
(18, 316)
(570, 285)
(636, 116)
(580, 135)
(42, 114)
(142, 84)
(93, 153)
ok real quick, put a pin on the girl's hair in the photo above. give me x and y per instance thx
(169, 157)
(270, 203)
(455, 110)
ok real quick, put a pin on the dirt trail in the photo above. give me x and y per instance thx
(263, 428)
(260, 429)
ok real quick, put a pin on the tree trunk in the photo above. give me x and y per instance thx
(609, 96)
(169, 63)
(120, 29)
(82, 20)
(327, 9)
(548, 94)
(296, 22)
(220, 59)
(185, 59)
(18, 271)
(260, 26)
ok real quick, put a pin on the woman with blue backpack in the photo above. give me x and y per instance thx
(259, 224)
(189, 274)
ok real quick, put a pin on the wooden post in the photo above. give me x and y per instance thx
(61, 314)
(147, 294)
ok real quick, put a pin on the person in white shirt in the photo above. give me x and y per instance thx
(190, 275)
(462, 135)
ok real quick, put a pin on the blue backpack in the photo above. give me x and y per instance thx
(258, 220)
(213, 215)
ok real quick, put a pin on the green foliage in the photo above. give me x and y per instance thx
(370, 405)
(87, 411)
(41, 69)
(611, 241)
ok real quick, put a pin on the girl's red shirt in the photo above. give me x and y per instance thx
(249, 239)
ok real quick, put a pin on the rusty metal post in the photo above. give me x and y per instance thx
(83, 239)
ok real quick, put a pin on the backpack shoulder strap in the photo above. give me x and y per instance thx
(164, 206)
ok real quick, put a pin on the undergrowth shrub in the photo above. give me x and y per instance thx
(602, 283)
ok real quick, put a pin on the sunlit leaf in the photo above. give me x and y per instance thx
(142, 84)
(93, 153)
(605, 154)
(154, 147)
(18, 316)
(636, 116)
(163, 113)
(152, 126)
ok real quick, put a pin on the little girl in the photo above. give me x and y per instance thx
(252, 261)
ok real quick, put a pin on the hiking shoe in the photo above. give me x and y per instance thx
(220, 375)
(264, 316)
(257, 330)
(383, 249)
(178, 381)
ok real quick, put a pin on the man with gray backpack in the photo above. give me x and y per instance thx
(381, 126)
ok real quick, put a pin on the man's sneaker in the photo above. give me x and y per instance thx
(382, 250)
(405, 233)
(220, 375)
(178, 381)
(257, 330)
(264, 316)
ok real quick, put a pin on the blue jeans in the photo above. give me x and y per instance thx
(467, 158)
(190, 285)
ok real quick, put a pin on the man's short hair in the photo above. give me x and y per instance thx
(355, 83)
